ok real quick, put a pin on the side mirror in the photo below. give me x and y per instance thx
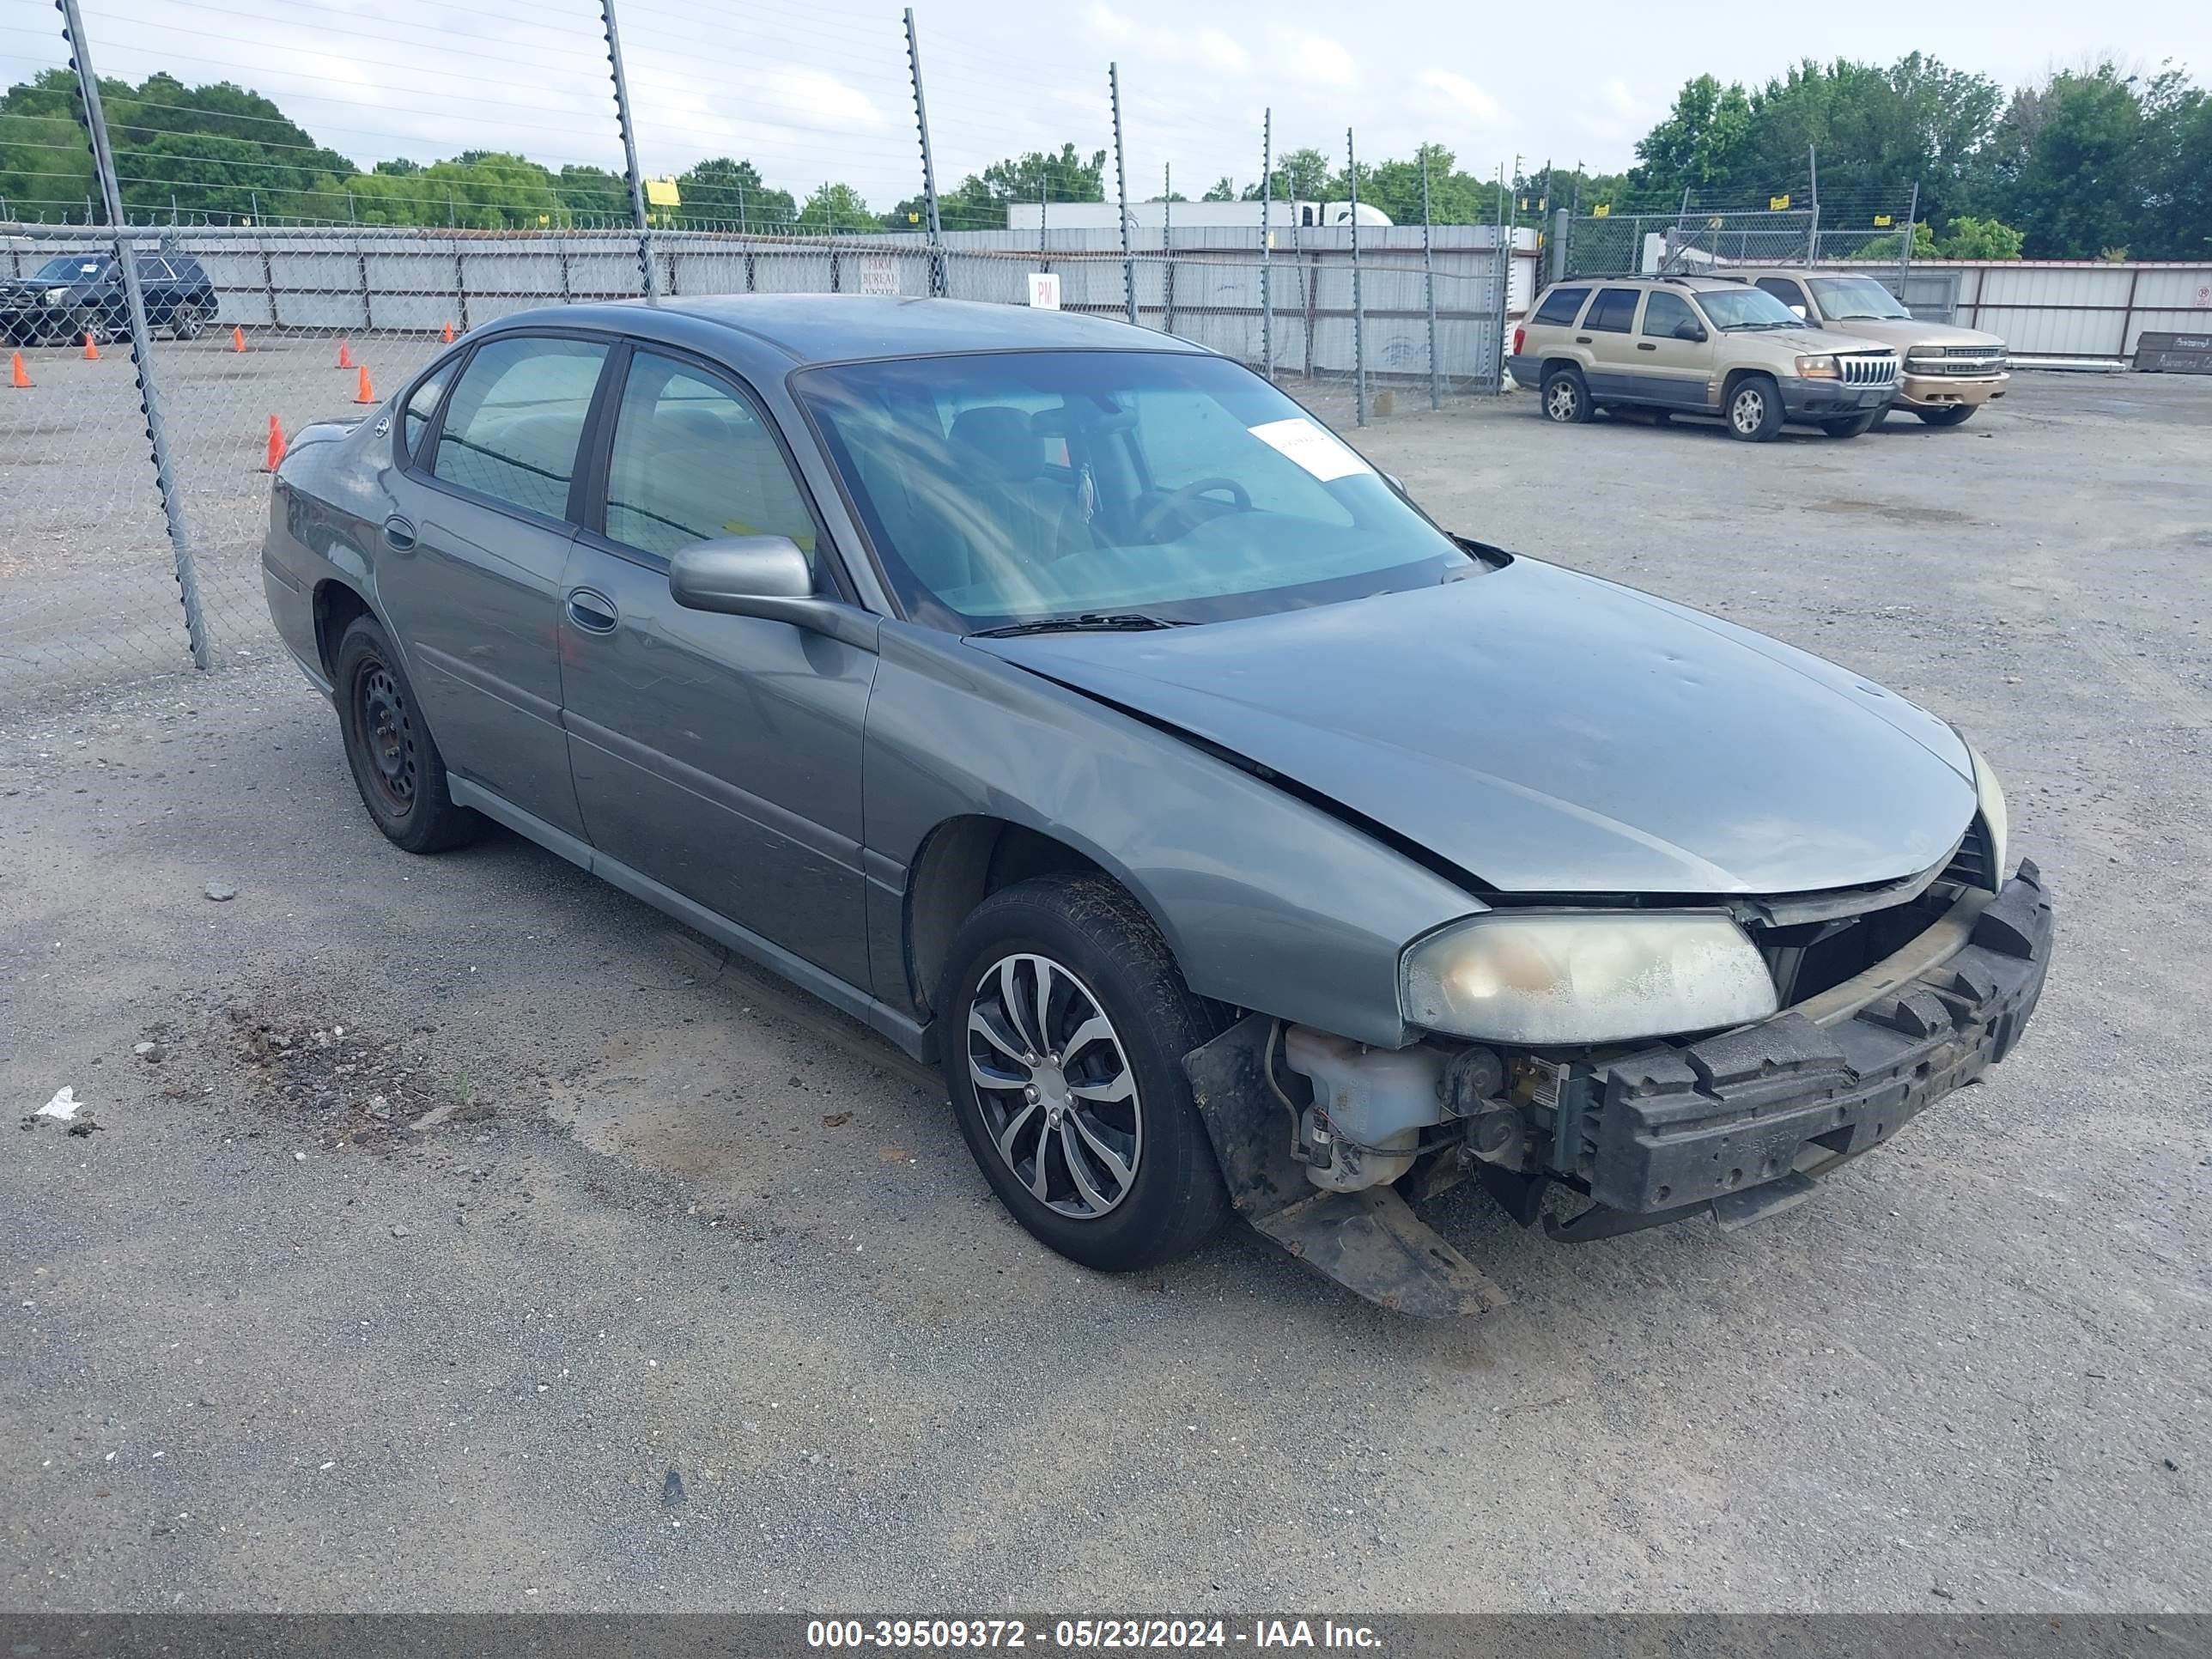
(767, 577)
(1691, 331)
(1800, 310)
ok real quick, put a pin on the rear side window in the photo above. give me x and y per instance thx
(517, 416)
(1665, 312)
(1613, 310)
(1561, 305)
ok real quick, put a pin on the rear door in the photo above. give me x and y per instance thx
(1676, 371)
(469, 567)
(718, 755)
(1606, 331)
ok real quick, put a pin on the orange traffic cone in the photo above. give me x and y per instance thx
(345, 355)
(237, 339)
(368, 393)
(276, 446)
(449, 334)
(17, 375)
(91, 348)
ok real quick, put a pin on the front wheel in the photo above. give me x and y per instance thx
(1064, 1023)
(1754, 409)
(1852, 426)
(1955, 415)
(395, 761)
(187, 320)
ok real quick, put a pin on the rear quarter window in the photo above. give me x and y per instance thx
(1561, 306)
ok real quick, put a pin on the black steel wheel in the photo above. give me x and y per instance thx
(396, 762)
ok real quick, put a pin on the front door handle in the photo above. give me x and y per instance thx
(591, 611)
(1645, 345)
(1582, 339)
(398, 534)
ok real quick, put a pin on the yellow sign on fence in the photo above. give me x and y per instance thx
(662, 192)
(1881, 222)
(1778, 203)
(1602, 210)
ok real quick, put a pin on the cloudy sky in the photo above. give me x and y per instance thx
(817, 91)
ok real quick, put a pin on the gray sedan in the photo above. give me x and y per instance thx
(1065, 703)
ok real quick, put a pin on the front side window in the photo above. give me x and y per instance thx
(1848, 299)
(1561, 306)
(1785, 289)
(693, 461)
(1665, 313)
(1023, 487)
(1612, 312)
(516, 415)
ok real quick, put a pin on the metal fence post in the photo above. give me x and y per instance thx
(934, 225)
(1359, 309)
(1121, 189)
(1429, 282)
(1905, 244)
(141, 339)
(1494, 357)
(1813, 180)
(647, 270)
(1267, 240)
(1167, 246)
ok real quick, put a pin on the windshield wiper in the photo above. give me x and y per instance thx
(1086, 622)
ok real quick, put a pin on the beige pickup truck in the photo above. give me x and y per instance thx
(1949, 372)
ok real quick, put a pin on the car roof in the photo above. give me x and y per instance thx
(817, 328)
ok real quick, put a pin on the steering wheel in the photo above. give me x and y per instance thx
(1175, 500)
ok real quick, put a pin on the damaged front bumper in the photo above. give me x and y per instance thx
(1741, 1124)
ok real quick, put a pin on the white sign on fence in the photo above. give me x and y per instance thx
(878, 274)
(1044, 289)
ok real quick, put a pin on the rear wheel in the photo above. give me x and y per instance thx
(1064, 1023)
(395, 761)
(1565, 397)
(188, 319)
(1754, 408)
(1955, 415)
(1851, 425)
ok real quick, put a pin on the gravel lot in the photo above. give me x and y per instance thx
(465, 1200)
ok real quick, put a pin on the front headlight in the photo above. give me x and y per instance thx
(54, 296)
(1990, 793)
(1551, 978)
(1817, 369)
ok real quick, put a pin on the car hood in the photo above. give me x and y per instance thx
(1830, 340)
(1910, 331)
(1550, 732)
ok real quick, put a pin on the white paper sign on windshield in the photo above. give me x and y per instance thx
(1316, 448)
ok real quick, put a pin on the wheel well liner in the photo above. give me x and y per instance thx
(963, 862)
(335, 606)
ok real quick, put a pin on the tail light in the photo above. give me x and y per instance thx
(1519, 336)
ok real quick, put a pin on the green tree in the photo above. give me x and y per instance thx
(836, 207)
(1301, 175)
(2066, 163)
(1978, 239)
(1223, 189)
(1700, 144)
(725, 191)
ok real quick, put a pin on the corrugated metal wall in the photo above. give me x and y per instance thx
(2070, 310)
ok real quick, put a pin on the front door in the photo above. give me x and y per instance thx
(469, 569)
(717, 756)
(1677, 371)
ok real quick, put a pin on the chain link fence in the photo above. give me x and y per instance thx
(1791, 229)
(245, 332)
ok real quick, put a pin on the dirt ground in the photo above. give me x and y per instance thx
(472, 1237)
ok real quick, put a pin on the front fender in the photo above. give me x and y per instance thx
(1268, 903)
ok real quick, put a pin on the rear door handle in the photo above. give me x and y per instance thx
(1582, 339)
(1645, 345)
(398, 534)
(591, 611)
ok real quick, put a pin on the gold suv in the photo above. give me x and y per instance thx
(1696, 345)
(1949, 373)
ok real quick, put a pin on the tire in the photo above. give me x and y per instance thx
(1129, 1179)
(1852, 425)
(1956, 414)
(1663, 417)
(1754, 408)
(1564, 399)
(395, 761)
(186, 322)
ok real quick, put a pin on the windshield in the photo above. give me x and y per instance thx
(68, 268)
(1735, 308)
(1026, 487)
(1843, 298)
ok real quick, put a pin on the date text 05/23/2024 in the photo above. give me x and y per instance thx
(1089, 1635)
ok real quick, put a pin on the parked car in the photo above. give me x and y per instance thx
(1696, 345)
(1063, 702)
(1948, 373)
(73, 294)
